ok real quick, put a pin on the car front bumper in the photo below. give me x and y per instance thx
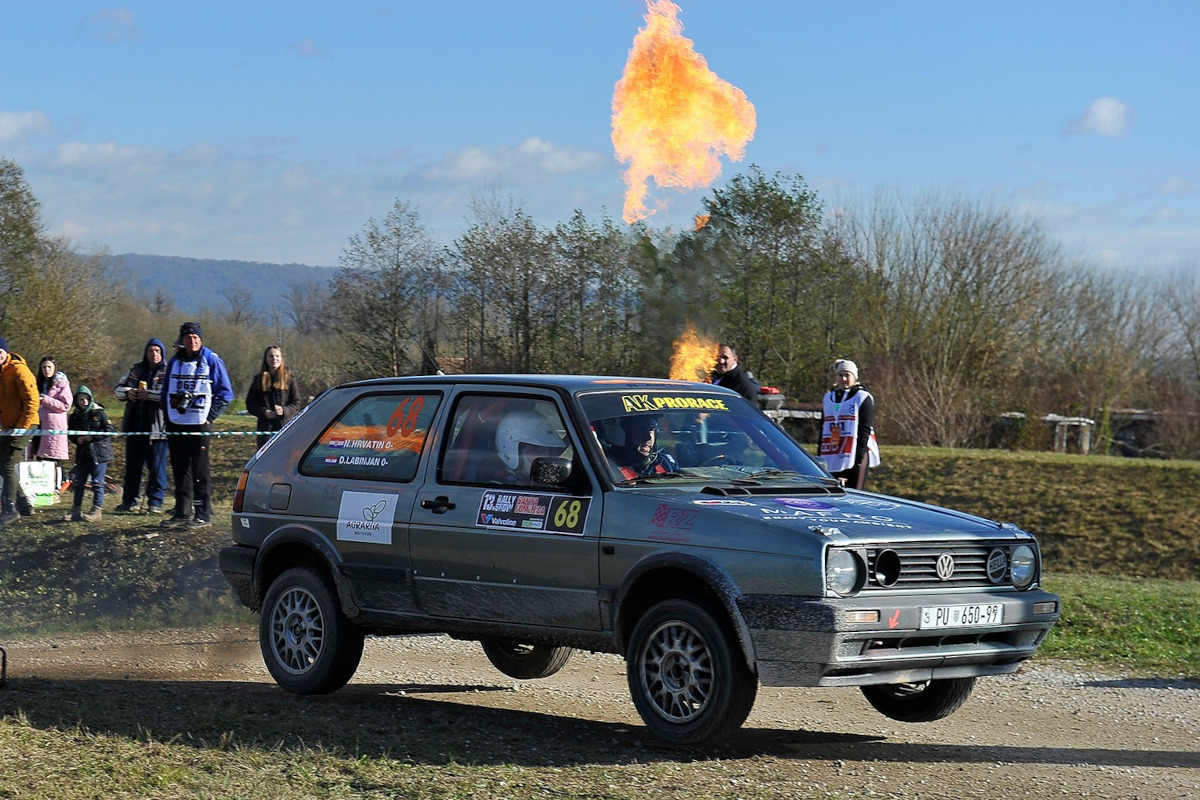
(812, 642)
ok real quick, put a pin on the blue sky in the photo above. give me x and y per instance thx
(273, 131)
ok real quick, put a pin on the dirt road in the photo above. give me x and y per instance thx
(1049, 732)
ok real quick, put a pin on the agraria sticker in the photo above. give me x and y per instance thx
(366, 517)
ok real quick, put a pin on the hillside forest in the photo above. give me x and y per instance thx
(958, 311)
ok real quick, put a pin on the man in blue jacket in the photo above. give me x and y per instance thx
(196, 390)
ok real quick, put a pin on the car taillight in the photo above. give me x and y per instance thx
(239, 494)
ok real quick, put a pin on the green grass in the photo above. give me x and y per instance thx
(1134, 627)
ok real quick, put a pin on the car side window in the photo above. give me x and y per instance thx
(494, 440)
(378, 437)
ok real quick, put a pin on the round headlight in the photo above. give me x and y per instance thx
(842, 572)
(1023, 566)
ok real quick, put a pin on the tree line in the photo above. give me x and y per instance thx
(956, 310)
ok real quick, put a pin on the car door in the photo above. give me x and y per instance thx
(360, 485)
(486, 543)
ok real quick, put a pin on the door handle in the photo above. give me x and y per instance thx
(438, 505)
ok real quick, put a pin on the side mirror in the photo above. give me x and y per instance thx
(550, 471)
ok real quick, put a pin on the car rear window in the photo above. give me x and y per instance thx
(379, 437)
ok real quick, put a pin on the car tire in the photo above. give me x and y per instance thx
(307, 643)
(525, 661)
(919, 702)
(686, 674)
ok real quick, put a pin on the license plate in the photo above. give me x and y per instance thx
(961, 616)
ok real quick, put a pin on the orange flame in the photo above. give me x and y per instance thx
(693, 357)
(701, 221)
(672, 116)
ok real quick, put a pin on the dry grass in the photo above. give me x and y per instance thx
(1120, 517)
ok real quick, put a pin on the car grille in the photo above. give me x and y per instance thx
(918, 565)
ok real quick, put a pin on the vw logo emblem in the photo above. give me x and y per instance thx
(945, 567)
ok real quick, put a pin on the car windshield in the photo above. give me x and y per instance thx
(673, 434)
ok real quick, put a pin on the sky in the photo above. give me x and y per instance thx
(273, 132)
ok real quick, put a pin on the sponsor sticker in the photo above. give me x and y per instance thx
(544, 512)
(801, 502)
(722, 503)
(366, 517)
(645, 402)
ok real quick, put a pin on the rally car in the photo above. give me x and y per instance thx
(669, 522)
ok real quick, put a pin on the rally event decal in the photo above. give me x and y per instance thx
(366, 517)
(538, 512)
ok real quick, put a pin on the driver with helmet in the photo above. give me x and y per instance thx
(521, 437)
(638, 456)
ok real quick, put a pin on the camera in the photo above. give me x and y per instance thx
(182, 401)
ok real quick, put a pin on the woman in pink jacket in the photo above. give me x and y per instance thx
(52, 414)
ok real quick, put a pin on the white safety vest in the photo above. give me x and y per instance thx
(839, 433)
(189, 377)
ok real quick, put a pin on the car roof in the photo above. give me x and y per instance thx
(572, 383)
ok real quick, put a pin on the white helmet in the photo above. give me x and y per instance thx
(523, 427)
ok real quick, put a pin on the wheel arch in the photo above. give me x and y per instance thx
(300, 546)
(680, 575)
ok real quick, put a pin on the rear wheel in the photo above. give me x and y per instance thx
(919, 702)
(307, 643)
(525, 661)
(686, 674)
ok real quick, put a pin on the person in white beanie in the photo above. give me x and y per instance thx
(848, 444)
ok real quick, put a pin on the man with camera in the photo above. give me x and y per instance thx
(196, 390)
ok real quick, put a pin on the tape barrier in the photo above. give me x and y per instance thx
(41, 432)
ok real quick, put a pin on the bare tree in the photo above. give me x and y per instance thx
(960, 291)
(384, 299)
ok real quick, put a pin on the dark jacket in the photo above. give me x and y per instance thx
(90, 449)
(259, 400)
(740, 381)
(144, 415)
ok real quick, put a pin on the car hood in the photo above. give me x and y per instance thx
(850, 516)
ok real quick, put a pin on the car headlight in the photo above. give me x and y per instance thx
(1023, 566)
(843, 572)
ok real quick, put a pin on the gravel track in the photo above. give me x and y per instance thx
(1051, 731)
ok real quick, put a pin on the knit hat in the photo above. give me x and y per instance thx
(3, 344)
(190, 327)
(845, 365)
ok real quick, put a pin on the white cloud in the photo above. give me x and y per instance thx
(113, 25)
(531, 161)
(16, 125)
(308, 48)
(1106, 116)
(1176, 187)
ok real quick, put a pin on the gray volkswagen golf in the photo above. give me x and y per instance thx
(666, 521)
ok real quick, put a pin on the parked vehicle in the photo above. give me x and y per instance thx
(503, 509)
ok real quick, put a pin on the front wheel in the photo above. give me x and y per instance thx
(919, 702)
(307, 643)
(525, 661)
(686, 674)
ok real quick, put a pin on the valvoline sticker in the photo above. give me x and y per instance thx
(801, 502)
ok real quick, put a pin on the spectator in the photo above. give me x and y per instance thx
(55, 389)
(273, 397)
(728, 373)
(195, 391)
(18, 411)
(92, 453)
(848, 443)
(146, 450)
(638, 456)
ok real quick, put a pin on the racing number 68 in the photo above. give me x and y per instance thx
(404, 418)
(567, 515)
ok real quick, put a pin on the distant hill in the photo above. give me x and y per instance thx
(195, 284)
